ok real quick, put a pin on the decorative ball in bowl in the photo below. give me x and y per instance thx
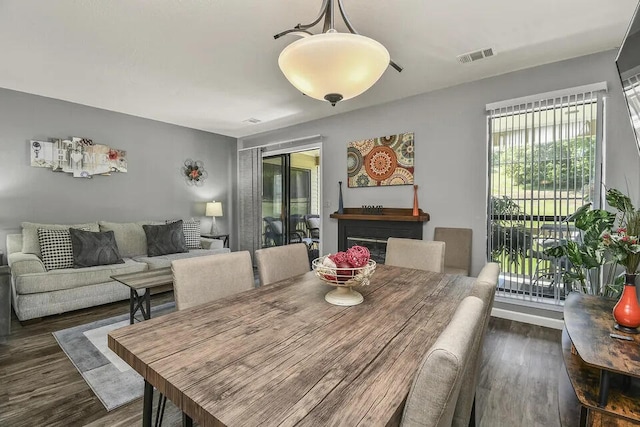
(336, 271)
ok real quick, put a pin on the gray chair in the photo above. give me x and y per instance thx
(484, 288)
(436, 386)
(417, 254)
(457, 259)
(281, 262)
(203, 279)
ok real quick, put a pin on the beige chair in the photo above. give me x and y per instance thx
(435, 389)
(281, 262)
(203, 279)
(418, 254)
(457, 259)
(484, 288)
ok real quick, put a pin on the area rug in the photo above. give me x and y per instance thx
(113, 381)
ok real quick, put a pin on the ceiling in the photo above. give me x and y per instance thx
(213, 64)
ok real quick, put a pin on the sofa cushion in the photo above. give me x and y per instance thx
(130, 237)
(91, 248)
(56, 249)
(191, 230)
(70, 278)
(165, 260)
(30, 243)
(165, 239)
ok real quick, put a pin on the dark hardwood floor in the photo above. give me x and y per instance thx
(39, 386)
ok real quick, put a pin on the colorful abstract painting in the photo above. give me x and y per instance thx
(387, 160)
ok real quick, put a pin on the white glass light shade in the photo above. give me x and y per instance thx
(334, 63)
(213, 209)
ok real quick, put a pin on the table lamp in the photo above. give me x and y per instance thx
(213, 210)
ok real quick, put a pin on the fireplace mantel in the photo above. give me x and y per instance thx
(388, 214)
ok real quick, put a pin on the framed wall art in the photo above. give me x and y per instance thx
(386, 160)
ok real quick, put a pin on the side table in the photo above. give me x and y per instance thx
(5, 302)
(223, 237)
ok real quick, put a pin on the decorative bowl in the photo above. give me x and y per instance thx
(343, 278)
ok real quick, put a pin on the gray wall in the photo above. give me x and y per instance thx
(450, 153)
(151, 189)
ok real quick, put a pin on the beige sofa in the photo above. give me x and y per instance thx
(37, 292)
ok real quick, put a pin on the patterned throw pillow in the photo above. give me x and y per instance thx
(91, 248)
(165, 239)
(191, 230)
(56, 249)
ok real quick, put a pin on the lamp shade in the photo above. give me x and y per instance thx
(334, 66)
(213, 209)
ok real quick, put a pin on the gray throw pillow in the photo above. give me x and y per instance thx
(165, 239)
(92, 248)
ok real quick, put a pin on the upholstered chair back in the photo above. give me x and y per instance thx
(436, 386)
(207, 278)
(281, 262)
(457, 259)
(485, 289)
(417, 254)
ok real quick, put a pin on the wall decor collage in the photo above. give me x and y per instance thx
(386, 160)
(80, 157)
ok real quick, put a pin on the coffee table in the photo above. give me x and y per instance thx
(143, 280)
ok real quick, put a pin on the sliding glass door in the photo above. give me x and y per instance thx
(289, 197)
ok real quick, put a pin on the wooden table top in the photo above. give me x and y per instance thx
(589, 321)
(146, 279)
(281, 355)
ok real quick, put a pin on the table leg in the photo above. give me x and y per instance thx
(604, 388)
(132, 297)
(186, 420)
(147, 404)
(147, 300)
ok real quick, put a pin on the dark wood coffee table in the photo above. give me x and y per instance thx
(146, 280)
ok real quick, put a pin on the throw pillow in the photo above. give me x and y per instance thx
(165, 239)
(91, 248)
(191, 230)
(30, 244)
(56, 249)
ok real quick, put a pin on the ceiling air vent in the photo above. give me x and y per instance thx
(252, 120)
(476, 55)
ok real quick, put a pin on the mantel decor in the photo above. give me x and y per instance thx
(386, 160)
(80, 157)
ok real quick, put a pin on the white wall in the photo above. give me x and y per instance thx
(450, 145)
(151, 189)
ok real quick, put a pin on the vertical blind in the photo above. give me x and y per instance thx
(543, 157)
(250, 199)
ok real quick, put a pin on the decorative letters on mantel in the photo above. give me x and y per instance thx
(77, 156)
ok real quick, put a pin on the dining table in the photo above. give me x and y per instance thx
(280, 355)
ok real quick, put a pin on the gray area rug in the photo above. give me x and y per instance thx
(113, 381)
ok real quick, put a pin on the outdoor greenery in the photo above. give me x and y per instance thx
(566, 164)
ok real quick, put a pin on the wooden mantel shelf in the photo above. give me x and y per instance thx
(388, 214)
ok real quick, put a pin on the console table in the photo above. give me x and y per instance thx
(602, 370)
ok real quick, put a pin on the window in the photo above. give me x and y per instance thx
(543, 165)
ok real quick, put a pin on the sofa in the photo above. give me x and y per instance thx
(41, 289)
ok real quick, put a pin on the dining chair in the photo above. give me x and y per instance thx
(484, 288)
(203, 279)
(281, 262)
(434, 393)
(417, 254)
(457, 259)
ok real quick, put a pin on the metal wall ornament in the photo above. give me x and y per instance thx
(194, 173)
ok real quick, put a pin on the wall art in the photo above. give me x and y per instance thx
(193, 172)
(387, 160)
(80, 157)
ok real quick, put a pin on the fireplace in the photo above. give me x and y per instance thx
(372, 231)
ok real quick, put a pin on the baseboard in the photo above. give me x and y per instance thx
(528, 318)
